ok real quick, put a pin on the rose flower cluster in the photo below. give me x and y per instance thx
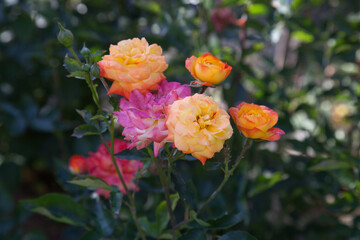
(156, 111)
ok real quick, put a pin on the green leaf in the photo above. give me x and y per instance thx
(58, 207)
(101, 115)
(257, 9)
(116, 201)
(212, 166)
(349, 68)
(77, 74)
(302, 36)
(187, 191)
(114, 103)
(151, 6)
(162, 217)
(174, 198)
(104, 219)
(34, 235)
(96, 56)
(167, 234)
(225, 3)
(92, 235)
(84, 130)
(194, 234)
(162, 214)
(264, 182)
(6, 202)
(144, 171)
(131, 154)
(151, 229)
(71, 64)
(225, 221)
(193, 215)
(329, 165)
(86, 115)
(92, 182)
(237, 235)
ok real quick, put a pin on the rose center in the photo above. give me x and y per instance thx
(256, 118)
(204, 120)
(210, 64)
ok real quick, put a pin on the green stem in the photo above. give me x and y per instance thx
(213, 195)
(227, 175)
(74, 54)
(110, 149)
(166, 189)
(241, 156)
(131, 199)
(94, 93)
(106, 86)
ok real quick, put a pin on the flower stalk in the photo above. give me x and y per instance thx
(110, 149)
(227, 174)
(164, 180)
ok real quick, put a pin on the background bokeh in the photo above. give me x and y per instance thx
(300, 58)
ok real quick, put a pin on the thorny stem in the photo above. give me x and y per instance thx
(164, 182)
(227, 175)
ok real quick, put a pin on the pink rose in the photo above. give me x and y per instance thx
(144, 116)
(99, 164)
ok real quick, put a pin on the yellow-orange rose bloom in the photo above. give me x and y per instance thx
(198, 126)
(256, 121)
(133, 64)
(208, 68)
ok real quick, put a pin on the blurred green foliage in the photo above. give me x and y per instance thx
(300, 58)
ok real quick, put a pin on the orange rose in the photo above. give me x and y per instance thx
(208, 69)
(256, 121)
(133, 64)
(77, 164)
(198, 126)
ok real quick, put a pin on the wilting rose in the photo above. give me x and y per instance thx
(256, 121)
(198, 126)
(208, 69)
(77, 164)
(133, 64)
(100, 165)
(143, 116)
